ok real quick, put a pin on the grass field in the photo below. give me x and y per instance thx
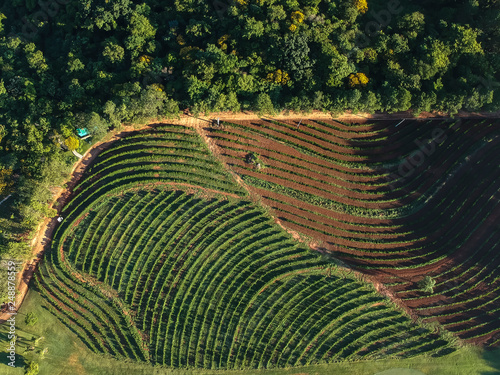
(68, 355)
(164, 259)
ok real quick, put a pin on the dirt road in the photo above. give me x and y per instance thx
(45, 229)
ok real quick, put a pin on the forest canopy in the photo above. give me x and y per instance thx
(68, 64)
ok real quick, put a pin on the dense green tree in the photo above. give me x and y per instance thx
(295, 56)
(113, 52)
(95, 124)
(339, 68)
(253, 29)
(426, 285)
(141, 31)
(263, 104)
(98, 64)
(412, 25)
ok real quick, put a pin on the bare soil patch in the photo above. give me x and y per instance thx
(277, 154)
(419, 243)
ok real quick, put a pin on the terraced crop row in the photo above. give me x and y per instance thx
(353, 189)
(216, 284)
(202, 278)
(165, 154)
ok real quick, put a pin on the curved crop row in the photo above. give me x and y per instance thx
(215, 284)
(199, 278)
(399, 202)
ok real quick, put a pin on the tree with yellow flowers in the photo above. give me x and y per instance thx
(6, 181)
(222, 42)
(146, 59)
(72, 143)
(158, 86)
(361, 6)
(357, 80)
(180, 40)
(297, 17)
(279, 77)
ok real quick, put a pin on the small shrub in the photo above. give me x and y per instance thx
(426, 285)
(31, 319)
(32, 368)
(254, 159)
(43, 352)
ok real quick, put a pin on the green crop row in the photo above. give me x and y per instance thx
(180, 280)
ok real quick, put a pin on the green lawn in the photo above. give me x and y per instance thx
(83, 146)
(68, 355)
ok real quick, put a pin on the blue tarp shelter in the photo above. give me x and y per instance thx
(82, 132)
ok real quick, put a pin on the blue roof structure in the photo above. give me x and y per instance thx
(82, 132)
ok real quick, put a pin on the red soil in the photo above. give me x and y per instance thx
(289, 167)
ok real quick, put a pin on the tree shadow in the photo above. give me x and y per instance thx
(20, 360)
(492, 357)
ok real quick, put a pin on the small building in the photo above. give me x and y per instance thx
(83, 133)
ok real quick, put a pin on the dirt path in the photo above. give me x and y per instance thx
(44, 231)
(316, 115)
(43, 236)
(46, 228)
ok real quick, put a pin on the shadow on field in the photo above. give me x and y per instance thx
(492, 357)
(19, 360)
(442, 180)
